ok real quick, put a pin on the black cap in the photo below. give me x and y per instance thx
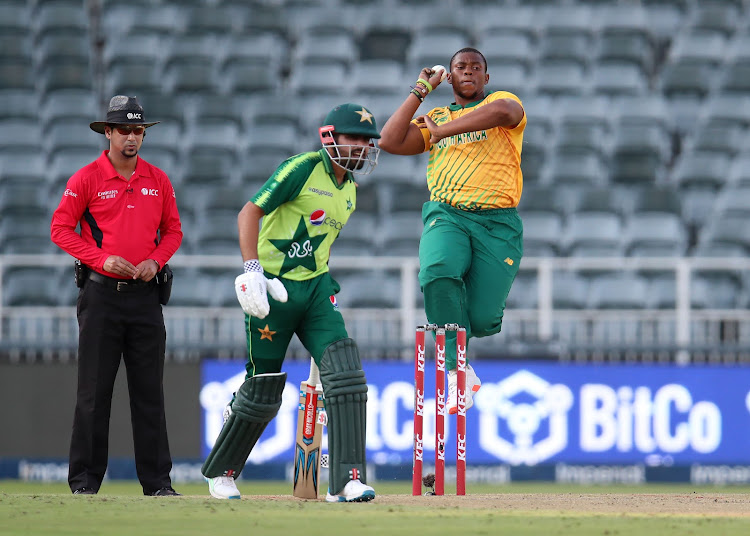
(122, 111)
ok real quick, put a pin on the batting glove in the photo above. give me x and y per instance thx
(252, 288)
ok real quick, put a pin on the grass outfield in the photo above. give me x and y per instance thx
(31, 508)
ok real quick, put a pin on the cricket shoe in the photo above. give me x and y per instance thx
(354, 491)
(473, 383)
(223, 487)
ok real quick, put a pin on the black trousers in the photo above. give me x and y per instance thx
(113, 326)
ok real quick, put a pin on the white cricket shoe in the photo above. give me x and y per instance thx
(354, 491)
(223, 487)
(473, 383)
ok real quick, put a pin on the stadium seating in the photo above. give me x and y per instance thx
(638, 122)
(618, 291)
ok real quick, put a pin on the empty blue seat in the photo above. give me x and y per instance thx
(214, 19)
(65, 74)
(556, 78)
(593, 234)
(619, 291)
(655, 235)
(29, 287)
(503, 49)
(23, 167)
(704, 49)
(521, 20)
(372, 289)
(542, 234)
(524, 294)
(617, 78)
(263, 48)
(569, 290)
(74, 134)
(734, 201)
(706, 170)
(15, 47)
(324, 49)
(739, 171)
(377, 77)
(657, 199)
(204, 166)
(397, 169)
(330, 78)
(63, 46)
(407, 197)
(283, 137)
(575, 168)
(691, 79)
(727, 230)
(385, 43)
(400, 234)
(190, 76)
(69, 106)
(15, 18)
(52, 17)
(357, 237)
(570, 47)
(736, 77)
(726, 139)
(216, 233)
(18, 135)
(63, 164)
(722, 19)
(601, 199)
(427, 50)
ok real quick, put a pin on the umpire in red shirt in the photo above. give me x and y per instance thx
(130, 228)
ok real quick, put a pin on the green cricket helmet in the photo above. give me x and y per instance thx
(352, 119)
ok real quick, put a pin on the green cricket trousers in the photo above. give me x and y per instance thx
(468, 261)
(311, 311)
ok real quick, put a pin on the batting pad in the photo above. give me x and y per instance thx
(257, 402)
(345, 390)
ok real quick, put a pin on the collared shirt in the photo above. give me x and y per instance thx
(475, 170)
(306, 209)
(135, 218)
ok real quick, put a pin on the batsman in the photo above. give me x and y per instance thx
(286, 289)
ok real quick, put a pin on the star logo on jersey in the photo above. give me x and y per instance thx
(365, 116)
(266, 333)
(348, 204)
(300, 250)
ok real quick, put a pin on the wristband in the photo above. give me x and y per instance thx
(426, 84)
(158, 266)
(253, 265)
(417, 94)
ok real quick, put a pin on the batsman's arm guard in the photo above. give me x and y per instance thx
(257, 402)
(345, 391)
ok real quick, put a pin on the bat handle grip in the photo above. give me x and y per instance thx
(314, 378)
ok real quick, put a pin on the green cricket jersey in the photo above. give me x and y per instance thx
(305, 209)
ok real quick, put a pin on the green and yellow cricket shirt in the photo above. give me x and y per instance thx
(475, 170)
(305, 210)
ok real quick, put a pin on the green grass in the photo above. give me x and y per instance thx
(32, 508)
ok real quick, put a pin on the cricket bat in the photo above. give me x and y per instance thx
(310, 420)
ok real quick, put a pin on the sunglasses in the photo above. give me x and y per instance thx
(125, 131)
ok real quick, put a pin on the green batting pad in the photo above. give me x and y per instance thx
(345, 390)
(257, 402)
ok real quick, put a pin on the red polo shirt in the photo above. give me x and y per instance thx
(118, 216)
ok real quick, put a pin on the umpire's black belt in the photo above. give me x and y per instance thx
(121, 285)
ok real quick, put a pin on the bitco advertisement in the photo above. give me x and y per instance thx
(528, 413)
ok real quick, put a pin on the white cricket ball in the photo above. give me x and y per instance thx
(436, 68)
